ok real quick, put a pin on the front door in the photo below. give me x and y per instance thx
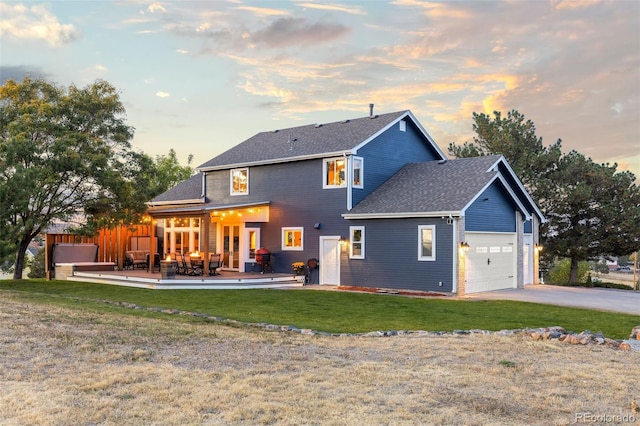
(231, 247)
(330, 260)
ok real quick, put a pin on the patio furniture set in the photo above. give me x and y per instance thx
(194, 265)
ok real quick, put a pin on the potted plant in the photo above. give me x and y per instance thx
(298, 268)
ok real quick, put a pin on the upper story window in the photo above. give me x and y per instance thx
(239, 181)
(335, 170)
(403, 126)
(358, 172)
(427, 242)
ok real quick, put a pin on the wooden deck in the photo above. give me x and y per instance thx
(225, 280)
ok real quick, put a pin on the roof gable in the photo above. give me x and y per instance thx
(310, 141)
(429, 187)
(434, 188)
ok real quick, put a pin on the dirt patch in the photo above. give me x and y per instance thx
(63, 366)
(412, 293)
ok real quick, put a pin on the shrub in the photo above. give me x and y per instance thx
(559, 273)
(36, 265)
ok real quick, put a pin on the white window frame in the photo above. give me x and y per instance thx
(432, 228)
(325, 166)
(353, 172)
(403, 125)
(286, 247)
(352, 242)
(231, 175)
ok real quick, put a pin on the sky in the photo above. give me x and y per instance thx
(203, 76)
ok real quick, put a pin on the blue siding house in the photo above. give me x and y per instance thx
(372, 201)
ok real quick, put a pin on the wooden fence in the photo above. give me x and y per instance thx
(112, 243)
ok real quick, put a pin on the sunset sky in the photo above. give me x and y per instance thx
(202, 76)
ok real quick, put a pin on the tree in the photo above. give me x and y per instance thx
(592, 210)
(64, 154)
(166, 172)
(514, 138)
(595, 211)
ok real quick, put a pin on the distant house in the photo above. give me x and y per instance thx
(373, 200)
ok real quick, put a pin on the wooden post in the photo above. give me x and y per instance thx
(152, 248)
(205, 241)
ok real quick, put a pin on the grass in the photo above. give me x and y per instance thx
(329, 311)
(69, 360)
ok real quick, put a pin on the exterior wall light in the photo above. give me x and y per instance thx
(464, 246)
(538, 247)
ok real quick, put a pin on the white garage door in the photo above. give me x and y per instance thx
(491, 262)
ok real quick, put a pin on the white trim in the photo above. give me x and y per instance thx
(432, 228)
(361, 242)
(345, 172)
(323, 261)
(176, 202)
(456, 256)
(498, 176)
(401, 215)
(275, 161)
(393, 123)
(246, 255)
(231, 172)
(355, 158)
(283, 246)
(520, 185)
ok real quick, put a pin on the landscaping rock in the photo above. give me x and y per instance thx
(635, 333)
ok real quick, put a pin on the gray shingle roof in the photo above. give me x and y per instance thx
(303, 141)
(432, 186)
(188, 190)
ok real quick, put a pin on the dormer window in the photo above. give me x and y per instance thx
(239, 181)
(335, 170)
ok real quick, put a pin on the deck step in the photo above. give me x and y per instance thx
(218, 283)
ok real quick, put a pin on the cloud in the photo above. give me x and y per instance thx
(156, 7)
(297, 31)
(263, 11)
(334, 7)
(19, 72)
(35, 23)
(161, 94)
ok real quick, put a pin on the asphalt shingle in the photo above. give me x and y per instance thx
(433, 186)
(303, 141)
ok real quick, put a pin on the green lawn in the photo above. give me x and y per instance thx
(331, 311)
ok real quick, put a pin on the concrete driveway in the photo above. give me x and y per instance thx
(605, 299)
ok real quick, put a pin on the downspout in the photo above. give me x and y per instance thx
(204, 186)
(349, 177)
(456, 257)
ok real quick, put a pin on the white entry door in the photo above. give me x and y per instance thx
(330, 260)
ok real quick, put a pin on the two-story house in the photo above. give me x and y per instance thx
(374, 200)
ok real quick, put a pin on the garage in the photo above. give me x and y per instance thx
(491, 261)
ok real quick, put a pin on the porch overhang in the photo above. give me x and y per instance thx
(243, 209)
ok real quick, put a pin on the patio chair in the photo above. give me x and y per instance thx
(181, 265)
(215, 262)
(193, 266)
